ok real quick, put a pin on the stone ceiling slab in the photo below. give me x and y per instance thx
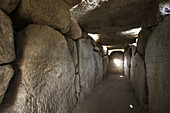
(104, 16)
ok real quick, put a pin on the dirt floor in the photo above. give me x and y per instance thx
(113, 95)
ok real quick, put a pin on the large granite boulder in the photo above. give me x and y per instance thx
(46, 70)
(158, 68)
(6, 73)
(127, 62)
(138, 79)
(103, 16)
(54, 13)
(7, 51)
(86, 67)
(98, 67)
(8, 5)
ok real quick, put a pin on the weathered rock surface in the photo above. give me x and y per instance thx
(8, 5)
(75, 30)
(139, 79)
(86, 67)
(72, 2)
(73, 50)
(7, 52)
(98, 67)
(158, 68)
(103, 16)
(114, 66)
(54, 13)
(142, 40)
(127, 62)
(47, 73)
(6, 73)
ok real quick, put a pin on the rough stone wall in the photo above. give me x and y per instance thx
(150, 67)
(45, 71)
(158, 68)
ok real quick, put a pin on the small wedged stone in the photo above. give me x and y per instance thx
(75, 30)
(8, 5)
(7, 50)
(6, 73)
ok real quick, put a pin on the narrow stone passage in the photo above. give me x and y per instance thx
(113, 95)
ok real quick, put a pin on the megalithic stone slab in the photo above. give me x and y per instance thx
(47, 72)
(158, 68)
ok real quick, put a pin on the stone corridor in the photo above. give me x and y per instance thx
(55, 56)
(114, 94)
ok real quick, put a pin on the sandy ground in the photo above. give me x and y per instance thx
(114, 94)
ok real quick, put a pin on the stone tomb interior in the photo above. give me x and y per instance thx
(84, 56)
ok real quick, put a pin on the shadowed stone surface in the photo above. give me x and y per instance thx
(86, 67)
(105, 61)
(47, 73)
(72, 2)
(6, 73)
(7, 52)
(158, 68)
(73, 50)
(127, 62)
(8, 5)
(138, 78)
(142, 40)
(98, 67)
(54, 13)
(104, 16)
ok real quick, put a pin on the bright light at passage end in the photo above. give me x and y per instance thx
(118, 62)
(121, 76)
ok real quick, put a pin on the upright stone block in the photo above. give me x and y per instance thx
(158, 68)
(46, 70)
(86, 67)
